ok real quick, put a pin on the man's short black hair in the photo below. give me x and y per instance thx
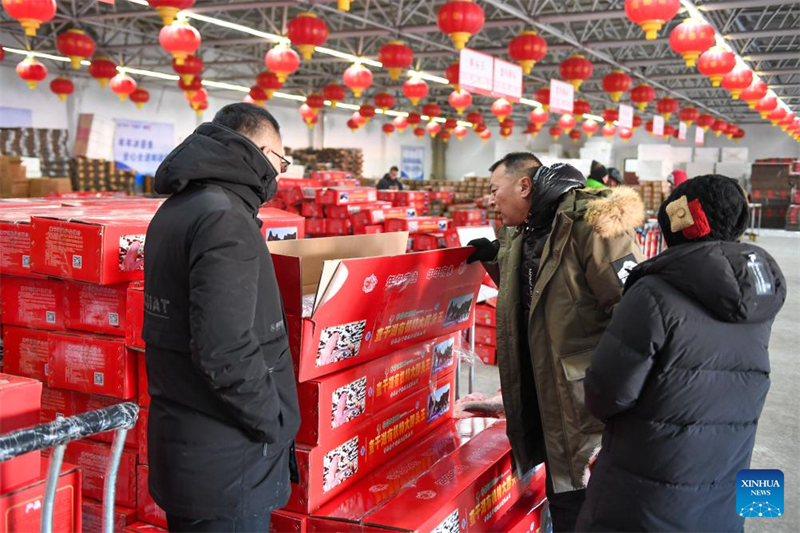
(247, 119)
(517, 163)
(394, 168)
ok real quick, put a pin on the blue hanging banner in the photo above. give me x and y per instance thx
(142, 146)
(412, 162)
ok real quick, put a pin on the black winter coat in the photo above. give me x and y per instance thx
(224, 412)
(680, 377)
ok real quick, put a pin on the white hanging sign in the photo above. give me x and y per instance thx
(658, 126)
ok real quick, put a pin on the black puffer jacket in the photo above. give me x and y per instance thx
(680, 377)
(224, 410)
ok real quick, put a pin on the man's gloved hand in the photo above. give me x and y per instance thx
(485, 250)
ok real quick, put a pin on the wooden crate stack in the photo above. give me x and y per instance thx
(654, 193)
(91, 175)
(771, 184)
(50, 146)
(345, 159)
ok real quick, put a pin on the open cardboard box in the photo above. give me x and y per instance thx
(369, 297)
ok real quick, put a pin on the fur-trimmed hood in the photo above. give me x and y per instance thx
(616, 212)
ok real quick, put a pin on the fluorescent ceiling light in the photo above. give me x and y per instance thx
(531, 103)
(596, 118)
(231, 26)
(36, 54)
(348, 106)
(149, 73)
(429, 77)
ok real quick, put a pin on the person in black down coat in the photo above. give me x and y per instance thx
(681, 374)
(224, 412)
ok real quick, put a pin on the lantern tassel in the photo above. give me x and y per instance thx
(30, 25)
(103, 82)
(62, 97)
(394, 73)
(31, 84)
(307, 51)
(527, 65)
(460, 39)
(76, 62)
(139, 105)
(187, 78)
(343, 5)
(123, 97)
(168, 14)
(651, 28)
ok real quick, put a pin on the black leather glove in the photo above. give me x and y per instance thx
(485, 250)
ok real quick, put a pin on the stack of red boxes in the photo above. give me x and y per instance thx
(486, 332)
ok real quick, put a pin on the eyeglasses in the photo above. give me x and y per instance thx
(284, 162)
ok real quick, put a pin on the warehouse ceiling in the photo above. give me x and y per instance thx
(765, 33)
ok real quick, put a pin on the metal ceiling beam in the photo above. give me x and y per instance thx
(744, 4)
(763, 34)
(769, 56)
(560, 18)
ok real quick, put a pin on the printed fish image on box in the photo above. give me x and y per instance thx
(281, 234)
(450, 524)
(340, 464)
(439, 403)
(131, 253)
(338, 343)
(349, 402)
(443, 355)
(458, 310)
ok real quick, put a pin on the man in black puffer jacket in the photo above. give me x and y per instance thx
(224, 413)
(682, 372)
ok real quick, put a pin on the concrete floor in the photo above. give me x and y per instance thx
(778, 438)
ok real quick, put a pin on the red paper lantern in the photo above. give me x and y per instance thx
(642, 95)
(76, 45)
(580, 108)
(460, 19)
(485, 135)
(283, 61)
(401, 123)
(358, 119)
(608, 131)
(737, 80)
(590, 127)
(651, 15)
(395, 56)
(433, 128)
(766, 105)
(384, 101)
(445, 136)
(777, 115)
(539, 117)
(191, 88)
(688, 115)
(192, 66)
(667, 106)
(453, 74)
(616, 84)
(501, 108)
(179, 39)
(705, 121)
(335, 93)
(739, 135)
(62, 87)
(625, 134)
(715, 63)
(307, 31)
(754, 93)
(610, 115)
(450, 124)
(102, 69)
(543, 97)
(460, 100)
(567, 123)
(475, 118)
(415, 90)
(248, 100)
(460, 132)
(353, 125)
(269, 82)
(637, 121)
(199, 107)
(140, 97)
(719, 127)
(506, 132)
(576, 70)
(258, 95)
(481, 127)
(431, 110)
(731, 130)
(507, 124)
(30, 70)
(388, 129)
(357, 78)
(649, 127)
(30, 13)
(2, 54)
(691, 38)
(307, 112)
(315, 102)
(669, 131)
(312, 122)
(419, 133)
(414, 119)
(786, 122)
(168, 9)
(123, 86)
(533, 129)
(367, 111)
(555, 132)
(527, 49)
(575, 135)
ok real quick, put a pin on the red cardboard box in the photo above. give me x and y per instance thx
(27, 203)
(424, 242)
(332, 467)
(531, 513)
(369, 230)
(485, 315)
(288, 522)
(469, 491)
(94, 365)
(451, 238)
(15, 243)
(134, 316)
(275, 203)
(419, 297)
(346, 211)
(418, 224)
(20, 402)
(32, 303)
(403, 198)
(331, 405)
(21, 509)
(144, 395)
(331, 175)
(370, 217)
(487, 354)
(56, 403)
(344, 513)
(141, 435)
(486, 335)
(277, 225)
(96, 308)
(93, 517)
(468, 215)
(93, 458)
(442, 196)
(315, 226)
(345, 196)
(338, 226)
(25, 352)
(148, 510)
(141, 527)
(312, 210)
(95, 249)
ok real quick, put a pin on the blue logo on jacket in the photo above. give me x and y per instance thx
(759, 493)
